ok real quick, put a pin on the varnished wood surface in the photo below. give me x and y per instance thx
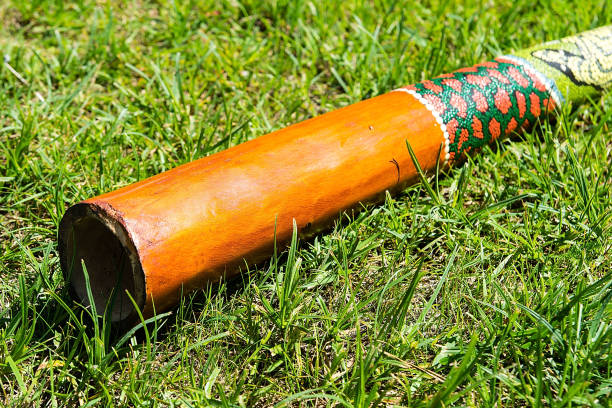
(204, 219)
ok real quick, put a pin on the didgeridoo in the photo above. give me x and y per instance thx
(201, 221)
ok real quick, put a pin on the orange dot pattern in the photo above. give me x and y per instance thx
(481, 103)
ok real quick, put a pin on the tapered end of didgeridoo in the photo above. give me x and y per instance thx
(90, 235)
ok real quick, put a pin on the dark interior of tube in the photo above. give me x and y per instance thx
(108, 266)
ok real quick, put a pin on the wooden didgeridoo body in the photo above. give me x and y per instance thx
(199, 222)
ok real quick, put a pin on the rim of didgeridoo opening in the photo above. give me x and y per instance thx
(89, 234)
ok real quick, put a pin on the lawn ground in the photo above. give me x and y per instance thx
(493, 289)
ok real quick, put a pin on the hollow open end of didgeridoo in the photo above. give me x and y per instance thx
(111, 260)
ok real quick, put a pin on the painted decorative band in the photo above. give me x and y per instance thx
(476, 105)
(549, 83)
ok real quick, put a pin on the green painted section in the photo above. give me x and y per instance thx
(481, 103)
(579, 65)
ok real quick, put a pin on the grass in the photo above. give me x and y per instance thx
(487, 286)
